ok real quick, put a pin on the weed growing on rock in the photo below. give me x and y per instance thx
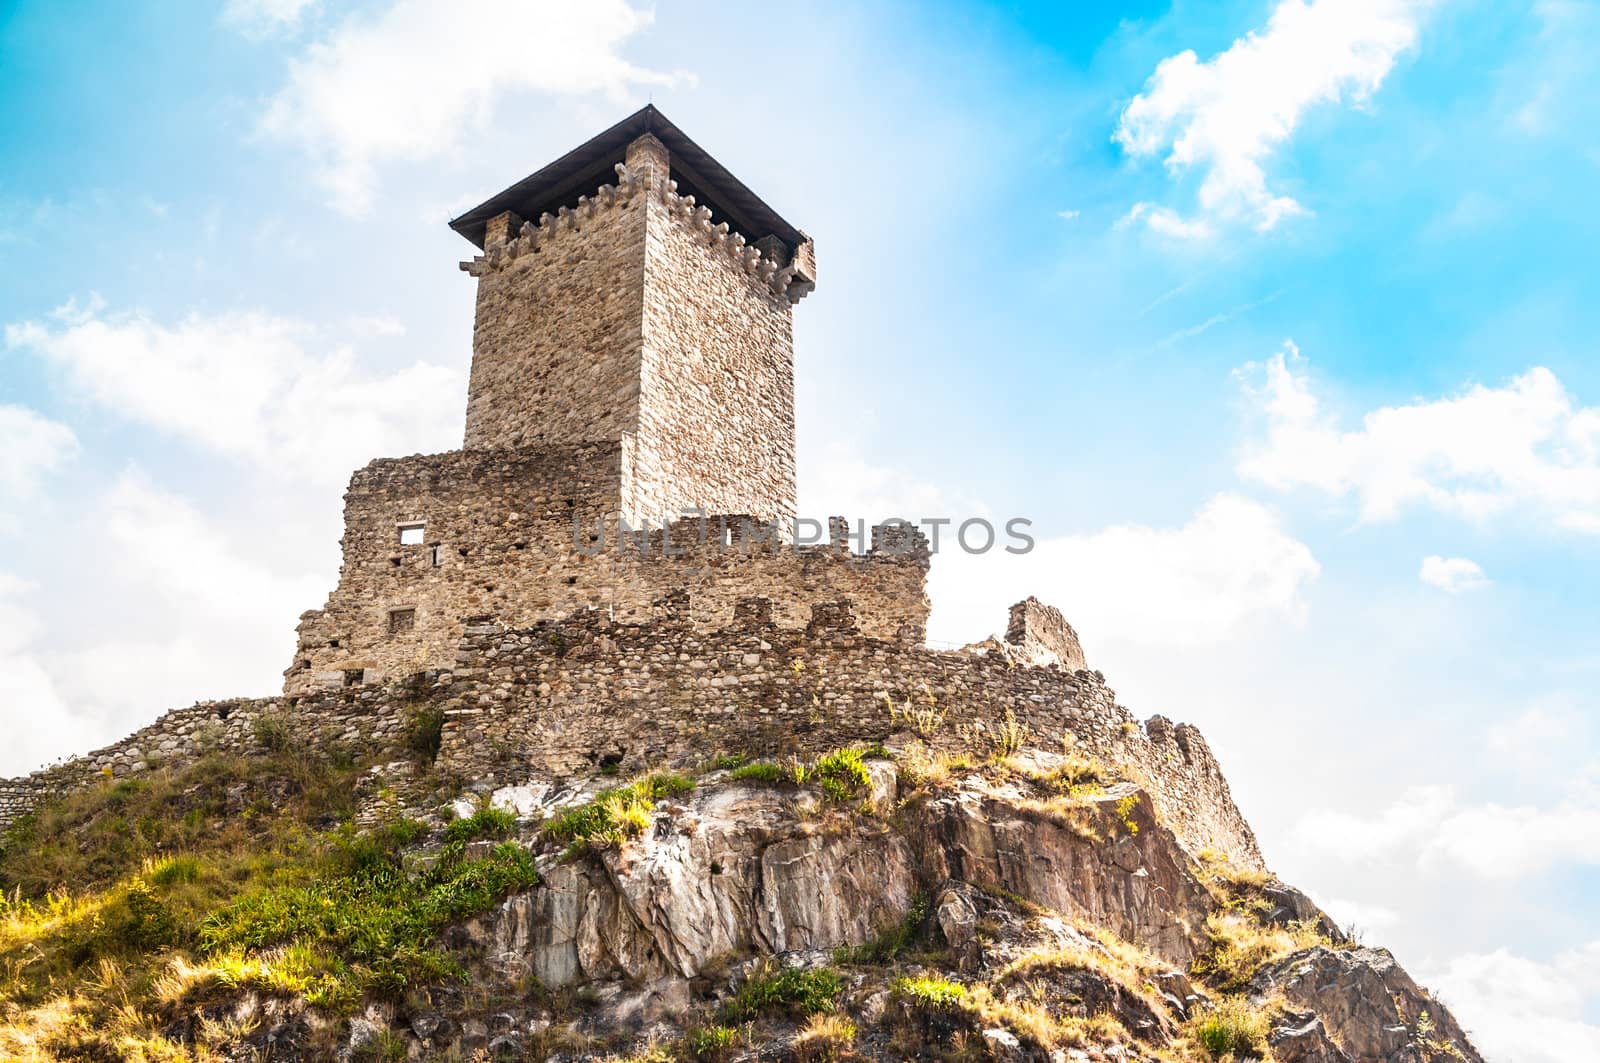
(709, 1043)
(923, 717)
(841, 773)
(930, 991)
(1233, 1028)
(770, 774)
(1241, 946)
(790, 991)
(825, 1039)
(617, 814)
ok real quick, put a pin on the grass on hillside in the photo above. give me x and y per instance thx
(127, 904)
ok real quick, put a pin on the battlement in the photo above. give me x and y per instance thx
(770, 265)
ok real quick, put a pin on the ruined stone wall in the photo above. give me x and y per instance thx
(513, 533)
(563, 698)
(716, 426)
(558, 332)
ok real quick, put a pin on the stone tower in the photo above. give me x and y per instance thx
(635, 292)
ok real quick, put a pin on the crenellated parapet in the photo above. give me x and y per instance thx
(509, 238)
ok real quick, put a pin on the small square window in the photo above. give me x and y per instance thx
(402, 620)
(412, 534)
(354, 677)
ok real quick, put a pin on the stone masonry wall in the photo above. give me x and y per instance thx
(558, 332)
(634, 319)
(563, 698)
(716, 428)
(500, 533)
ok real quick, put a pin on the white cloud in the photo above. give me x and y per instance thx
(31, 445)
(1525, 446)
(180, 614)
(1452, 574)
(1066, 215)
(1362, 918)
(1169, 222)
(1490, 840)
(246, 385)
(260, 17)
(1231, 565)
(402, 85)
(1207, 581)
(1227, 115)
(39, 724)
(1522, 1011)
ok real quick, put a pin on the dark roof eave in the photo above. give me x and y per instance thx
(591, 164)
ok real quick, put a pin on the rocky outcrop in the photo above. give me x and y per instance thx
(739, 870)
(1370, 1009)
(1106, 860)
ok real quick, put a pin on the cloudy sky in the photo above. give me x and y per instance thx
(1277, 318)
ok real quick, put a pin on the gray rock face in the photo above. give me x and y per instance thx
(1369, 1006)
(740, 869)
(1117, 868)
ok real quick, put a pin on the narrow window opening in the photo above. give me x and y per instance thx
(402, 620)
(572, 581)
(412, 534)
(436, 557)
(333, 644)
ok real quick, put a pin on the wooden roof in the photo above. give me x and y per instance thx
(592, 164)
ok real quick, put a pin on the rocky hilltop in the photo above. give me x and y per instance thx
(552, 780)
(998, 895)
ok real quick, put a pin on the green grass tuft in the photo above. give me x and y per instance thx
(790, 991)
(484, 823)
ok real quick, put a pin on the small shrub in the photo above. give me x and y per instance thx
(707, 1043)
(1232, 1028)
(725, 762)
(484, 823)
(1075, 776)
(1125, 808)
(791, 991)
(841, 773)
(1009, 736)
(825, 1039)
(272, 730)
(424, 734)
(1240, 946)
(923, 717)
(931, 992)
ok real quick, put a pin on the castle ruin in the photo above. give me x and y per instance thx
(633, 362)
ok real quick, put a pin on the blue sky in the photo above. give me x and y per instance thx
(1277, 319)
